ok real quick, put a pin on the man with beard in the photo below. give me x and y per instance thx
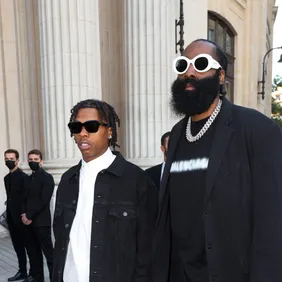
(156, 172)
(220, 215)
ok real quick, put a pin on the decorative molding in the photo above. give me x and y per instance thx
(241, 3)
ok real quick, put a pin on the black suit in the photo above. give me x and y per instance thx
(155, 173)
(14, 185)
(36, 205)
(242, 211)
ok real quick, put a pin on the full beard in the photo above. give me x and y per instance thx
(197, 101)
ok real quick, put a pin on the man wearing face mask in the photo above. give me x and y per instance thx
(220, 216)
(36, 216)
(14, 184)
(156, 172)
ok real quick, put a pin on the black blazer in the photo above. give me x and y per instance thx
(38, 193)
(14, 185)
(155, 173)
(243, 201)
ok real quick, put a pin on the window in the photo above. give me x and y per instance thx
(220, 33)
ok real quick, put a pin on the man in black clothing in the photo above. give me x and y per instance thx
(156, 171)
(37, 217)
(105, 206)
(14, 184)
(220, 217)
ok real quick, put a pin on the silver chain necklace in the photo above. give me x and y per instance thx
(206, 126)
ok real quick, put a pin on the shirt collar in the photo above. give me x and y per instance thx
(101, 162)
(117, 167)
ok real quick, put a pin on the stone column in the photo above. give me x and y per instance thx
(149, 51)
(70, 72)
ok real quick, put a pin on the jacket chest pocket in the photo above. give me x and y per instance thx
(63, 219)
(123, 222)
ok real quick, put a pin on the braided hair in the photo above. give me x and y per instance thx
(106, 112)
(220, 54)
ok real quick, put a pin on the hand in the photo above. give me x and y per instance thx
(28, 222)
(25, 220)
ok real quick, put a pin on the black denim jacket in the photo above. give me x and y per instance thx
(124, 214)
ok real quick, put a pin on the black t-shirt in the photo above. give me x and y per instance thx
(187, 184)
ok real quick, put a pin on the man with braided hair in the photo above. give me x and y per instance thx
(105, 206)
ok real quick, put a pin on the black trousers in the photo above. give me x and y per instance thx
(38, 240)
(16, 230)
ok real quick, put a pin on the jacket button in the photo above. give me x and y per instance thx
(74, 202)
(63, 249)
(125, 214)
(67, 226)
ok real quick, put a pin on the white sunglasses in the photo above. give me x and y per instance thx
(201, 63)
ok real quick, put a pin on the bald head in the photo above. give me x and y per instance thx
(205, 46)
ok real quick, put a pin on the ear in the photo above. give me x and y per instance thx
(221, 76)
(41, 162)
(163, 149)
(110, 133)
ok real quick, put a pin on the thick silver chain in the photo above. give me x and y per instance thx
(206, 126)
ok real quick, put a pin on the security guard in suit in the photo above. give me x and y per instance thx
(14, 185)
(36, 216)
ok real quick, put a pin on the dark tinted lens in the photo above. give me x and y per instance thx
(201, 63)
(91, 126)
(75, 127)
(181, 65)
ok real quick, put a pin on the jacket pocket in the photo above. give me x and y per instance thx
(123, 222)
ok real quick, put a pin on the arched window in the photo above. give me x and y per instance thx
(220, 33)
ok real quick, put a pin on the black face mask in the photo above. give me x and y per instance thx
(34, 165)
(198, 101)
(10, 164)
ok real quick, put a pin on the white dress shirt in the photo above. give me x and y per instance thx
(162, 171)
(78, 255)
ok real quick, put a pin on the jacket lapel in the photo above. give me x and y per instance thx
(173, 143)
(220, 141)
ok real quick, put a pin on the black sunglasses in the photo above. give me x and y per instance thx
(91, 126)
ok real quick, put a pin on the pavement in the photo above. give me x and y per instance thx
(8, 260)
